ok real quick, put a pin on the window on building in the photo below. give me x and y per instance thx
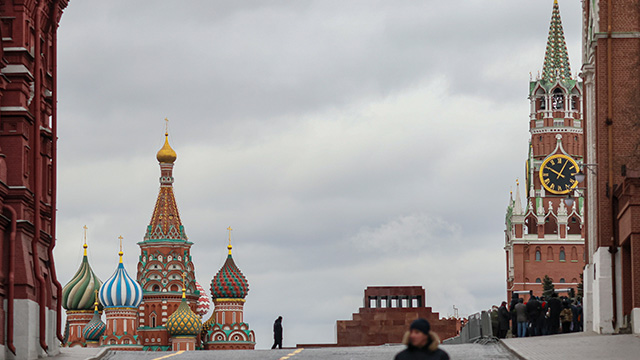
(538, 255)
(563, 257)
(562, 281)
(538, 281)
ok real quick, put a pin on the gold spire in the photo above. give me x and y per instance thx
(166, 155)
(229, 246)
(120, 253)
(183, 286)
(95, 304)
(85, 240)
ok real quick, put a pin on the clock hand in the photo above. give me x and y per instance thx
(559, 175)
(564, 166)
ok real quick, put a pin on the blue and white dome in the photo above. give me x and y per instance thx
(120, 290)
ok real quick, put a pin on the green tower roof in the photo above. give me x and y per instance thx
(556, 58)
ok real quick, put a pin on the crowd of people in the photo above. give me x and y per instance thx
(537, 316)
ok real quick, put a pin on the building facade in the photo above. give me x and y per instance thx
(544, 234)
(28, 118)
(611, 73)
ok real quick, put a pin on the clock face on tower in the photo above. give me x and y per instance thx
(557, 174)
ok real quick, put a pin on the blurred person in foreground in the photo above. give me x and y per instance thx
(422, 343)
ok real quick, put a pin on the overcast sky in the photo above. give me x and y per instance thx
(348, 143)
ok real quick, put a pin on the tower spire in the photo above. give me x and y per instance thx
(229, 246)
(120, 253)
(556, 58)
(84, 246)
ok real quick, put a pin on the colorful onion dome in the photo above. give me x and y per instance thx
(78, 293)
(120, 290)
(183, 321)
(229, 282)
(166, 155)
(204, 304)
(94, 328)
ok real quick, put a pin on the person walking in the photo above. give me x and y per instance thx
(277, 333)
(422, 343)
(521, 317)
(503, 320)
(566, 316)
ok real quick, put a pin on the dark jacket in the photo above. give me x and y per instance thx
(503, 318)
(277, 329)
(533, 310)
(521, 312)
(555, 307)
(429, 352)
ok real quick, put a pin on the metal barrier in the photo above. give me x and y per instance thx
(478, 327)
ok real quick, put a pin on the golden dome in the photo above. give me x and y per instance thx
(166, 154)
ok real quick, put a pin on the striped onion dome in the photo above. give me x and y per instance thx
(204, 304)
(183, 321)
(229, 282)
(207, 325)
(79, 292)
(120, 290)
(94, 328)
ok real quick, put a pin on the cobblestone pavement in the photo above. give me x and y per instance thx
(387, 352)
(576, 346)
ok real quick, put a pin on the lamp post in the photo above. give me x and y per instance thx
(580, 177)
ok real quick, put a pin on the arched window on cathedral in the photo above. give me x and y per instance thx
(156, 287)
(549, 253)
(562, 255)
(538, 254)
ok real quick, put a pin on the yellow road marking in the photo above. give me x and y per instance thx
(170, 355)
(290, 355)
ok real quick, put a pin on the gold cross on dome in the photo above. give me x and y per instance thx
(120, 237)
(166, 126)
(230, 229)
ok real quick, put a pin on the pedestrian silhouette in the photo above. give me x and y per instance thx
(277, 333)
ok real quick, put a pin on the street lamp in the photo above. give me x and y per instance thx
(580, 177)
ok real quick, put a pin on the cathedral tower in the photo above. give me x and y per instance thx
(226, 329)
(544, 235)
(77, 299)
(165, 257)
(121, 295)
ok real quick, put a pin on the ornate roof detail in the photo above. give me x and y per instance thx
(517, 205)
(229, 282)
(183, 321)
(120, 290)
(556, 58)
(94, 328)
(165, 222)
(204, 304)
(78, 293)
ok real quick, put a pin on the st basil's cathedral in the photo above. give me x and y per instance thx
(162, 307)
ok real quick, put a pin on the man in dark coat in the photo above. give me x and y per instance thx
(512, 309)
(277, 333)
(533, 311)
(503, 320)
(555, 307)
(422, 343)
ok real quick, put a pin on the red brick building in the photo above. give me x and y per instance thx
(544, 235)
(386, 315)
(28, 283)
(611, 73)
